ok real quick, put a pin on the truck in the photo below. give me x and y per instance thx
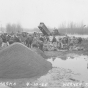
(44, 29)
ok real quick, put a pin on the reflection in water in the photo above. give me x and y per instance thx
(77, 65)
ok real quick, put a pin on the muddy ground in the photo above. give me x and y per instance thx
(57, 77)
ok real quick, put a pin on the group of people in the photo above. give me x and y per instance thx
(35, 40)
(64, 42)
(30, 40)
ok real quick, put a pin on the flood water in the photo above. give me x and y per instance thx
(78, 65)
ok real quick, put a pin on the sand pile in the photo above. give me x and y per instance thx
(3, 86)
(18, 61)
(40, 53)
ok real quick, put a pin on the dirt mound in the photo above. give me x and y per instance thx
(3, 86)
(18, 61)
(40, 53)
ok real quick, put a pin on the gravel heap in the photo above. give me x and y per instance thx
(18, 61)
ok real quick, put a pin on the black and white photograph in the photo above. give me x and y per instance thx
(43, 43)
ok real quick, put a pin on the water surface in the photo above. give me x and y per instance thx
(78, 65)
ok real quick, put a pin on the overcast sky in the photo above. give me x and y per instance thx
(29, 13)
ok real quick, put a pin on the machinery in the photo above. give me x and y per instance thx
(44, 29)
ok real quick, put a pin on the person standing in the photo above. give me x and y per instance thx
(54, 39)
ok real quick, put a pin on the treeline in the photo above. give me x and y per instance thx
(66, 30)
(73, 30)
(13, 28)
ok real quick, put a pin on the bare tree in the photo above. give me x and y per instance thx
(12, 29)
(19, 28)
(8, 28)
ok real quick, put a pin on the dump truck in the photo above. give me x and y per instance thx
(44, 29)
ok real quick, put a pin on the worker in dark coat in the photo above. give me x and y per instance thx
(29, 41)
(40, 43)
(4, 38)
(54, 39)
(79, 40)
